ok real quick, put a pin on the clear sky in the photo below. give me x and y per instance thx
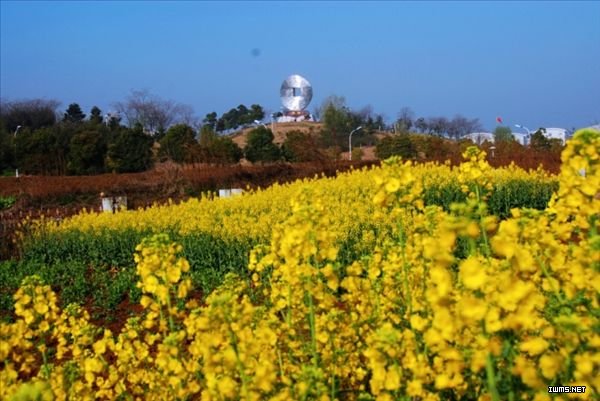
(533, 63)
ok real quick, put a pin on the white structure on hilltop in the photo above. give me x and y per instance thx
(555, 133)
(523, 139)
(480, 137)
(293, 119)
(296, 93)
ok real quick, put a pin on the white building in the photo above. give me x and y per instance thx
(480, 137)
(555, 133)
(550, 133)
(522, 138)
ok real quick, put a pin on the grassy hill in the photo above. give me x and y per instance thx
(280, 131)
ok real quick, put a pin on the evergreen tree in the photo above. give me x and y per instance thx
(96, 115)
(207, 135)
(260, 146)
(7, 149)
(74, 114)
(87, 151)
(224, 150)
(130, 151)
(176, 141)
(503, 134)
(397, 145)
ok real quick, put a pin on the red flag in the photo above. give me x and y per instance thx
(499, 120)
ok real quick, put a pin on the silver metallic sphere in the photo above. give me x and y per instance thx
(296, 93)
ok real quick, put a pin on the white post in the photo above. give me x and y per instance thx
(350, 142)
(350, 147)
(15, 136)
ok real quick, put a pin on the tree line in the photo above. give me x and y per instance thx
(145, 129)
(36, 139)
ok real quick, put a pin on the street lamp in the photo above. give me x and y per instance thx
(528, 132)
(350, 142)
(15, 136)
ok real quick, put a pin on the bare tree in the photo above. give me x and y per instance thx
(365, 113)
(337, 102)
(154, 113)
(421, 124)
(437, 125)
(405, 119)
(33, 113)
(460, 126)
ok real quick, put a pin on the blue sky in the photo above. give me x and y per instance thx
(533, 63)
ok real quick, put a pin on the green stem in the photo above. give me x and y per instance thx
(333, 368)
(482, 227)
(239, 364)
(405, 268)
(491, 379)
(313, 337)
(171, 324)
(288, 317)
(46, 370)
(313, 329)
(549, 277)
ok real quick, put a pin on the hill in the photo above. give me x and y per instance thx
(280, 131)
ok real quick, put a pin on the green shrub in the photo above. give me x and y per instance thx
(7, 202)
(397, 145)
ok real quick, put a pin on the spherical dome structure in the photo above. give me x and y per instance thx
(296, 93)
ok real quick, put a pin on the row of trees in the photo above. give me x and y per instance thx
(36, 141)
(455, 128)
(145, 129)
(241, 116)
(36, 138)
(339, 120)
(74, 146)
(409, 146)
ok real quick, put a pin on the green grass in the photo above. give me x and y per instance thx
(7, 202)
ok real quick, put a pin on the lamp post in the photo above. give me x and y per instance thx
(350, 142)
(15, 136)
(528, 132)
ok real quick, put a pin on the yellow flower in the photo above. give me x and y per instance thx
(392, 185)
(472, 273)
(173, 274)
(534, 346)
(392, 379)
(550, 365)
(442, 381)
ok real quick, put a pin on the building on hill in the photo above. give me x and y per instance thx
(522, 138)
(292, 118)
(555, 133)
(480, 137)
